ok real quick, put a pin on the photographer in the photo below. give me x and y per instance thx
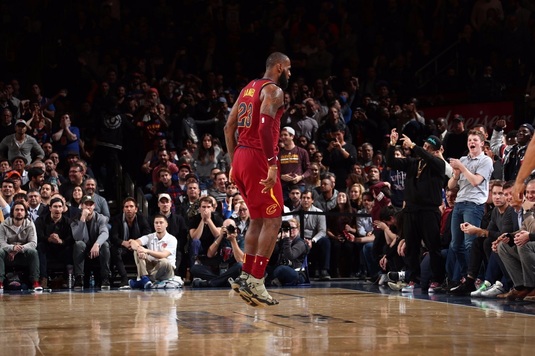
(223, 259)
(289, 254)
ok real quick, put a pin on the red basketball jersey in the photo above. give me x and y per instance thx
(249, 118)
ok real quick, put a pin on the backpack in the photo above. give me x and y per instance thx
(174, 282)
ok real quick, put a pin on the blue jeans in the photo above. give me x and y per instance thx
(371, 263)
(288, 276)
(461, 243)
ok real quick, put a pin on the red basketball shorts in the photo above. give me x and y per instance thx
(248, 168)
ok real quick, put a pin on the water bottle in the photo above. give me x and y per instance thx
(92, 280)
(70, 281)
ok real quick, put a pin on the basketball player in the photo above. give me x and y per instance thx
(256, 118)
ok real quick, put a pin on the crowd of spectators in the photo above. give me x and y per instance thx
(149, 86)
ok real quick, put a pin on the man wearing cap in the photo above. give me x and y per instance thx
(176, 226)
(90, 233)
(128, 225)
(154, 255)
(54, 238)
(423, 197)
(294, 162)
(455, 140)
(20, 144)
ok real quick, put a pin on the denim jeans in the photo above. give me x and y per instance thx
(461, 243)
(371, 263)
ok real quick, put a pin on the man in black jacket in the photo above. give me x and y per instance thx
(129, 225)
(54, 238)
(423, 197)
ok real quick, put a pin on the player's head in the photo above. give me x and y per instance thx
(279, 63)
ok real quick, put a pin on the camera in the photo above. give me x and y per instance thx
(231, 229)
(285, 226)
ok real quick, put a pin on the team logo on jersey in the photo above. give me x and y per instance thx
(164, 245)
(113, 122)
(270, 210)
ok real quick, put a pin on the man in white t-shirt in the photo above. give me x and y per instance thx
(155, 255)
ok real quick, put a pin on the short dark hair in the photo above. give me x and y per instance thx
(127, 199)
(160, 216)
(275, 58)
(35, 172)
(20, 196)
(509, 184)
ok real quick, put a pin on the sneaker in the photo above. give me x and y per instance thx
(235, 284)
(145, 282)
(494, 290)
(37, 287)
(276, 282)
(433, 287)
(255, 290)
(444, 287)
(199, 283)
(465, 288)
(396, 286)
(105, 285)
(483, 287)
(79, 282)
(134, 284)
(409, 288)
(383, 279)
(396, 276)
(324, 275)
(124, 283)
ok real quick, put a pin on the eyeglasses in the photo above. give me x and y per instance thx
(244, 209)
(293, 227)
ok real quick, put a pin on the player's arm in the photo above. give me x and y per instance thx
(230, 130)
(272, 98)
(523, 173)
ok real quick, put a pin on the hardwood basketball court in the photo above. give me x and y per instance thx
(325, 318)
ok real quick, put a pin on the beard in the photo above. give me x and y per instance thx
(283, 81)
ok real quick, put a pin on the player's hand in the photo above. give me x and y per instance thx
(270, 180)
(518, 194)
(230, 177)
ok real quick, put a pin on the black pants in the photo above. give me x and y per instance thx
(422, 224)
(53, 253)
(215, 280)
